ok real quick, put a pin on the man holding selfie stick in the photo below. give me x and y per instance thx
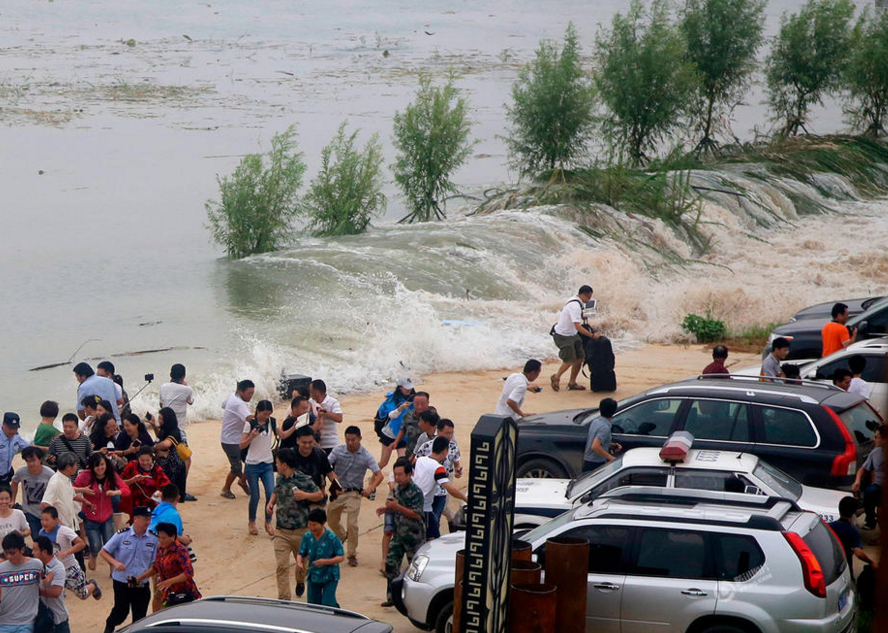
(568, 333)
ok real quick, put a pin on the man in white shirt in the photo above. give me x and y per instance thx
(177, 395)
(429, 473)
(857, 364)
(515, 389)
(329, 415)
(568, 334)
(235, 416)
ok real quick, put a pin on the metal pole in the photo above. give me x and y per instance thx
(458, 590)
(532, 608)
(567, 566)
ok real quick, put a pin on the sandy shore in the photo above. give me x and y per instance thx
(230, 561)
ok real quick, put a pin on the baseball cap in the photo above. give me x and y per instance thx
(406, 382)
(141, 511)
(11, 419)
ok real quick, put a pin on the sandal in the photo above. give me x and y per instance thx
(227, 494)
(576, 387)
(553, 380)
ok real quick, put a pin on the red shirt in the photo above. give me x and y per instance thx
(142, 489)
(716, 367)
(102, 508)
(834, 336)
(172, 561)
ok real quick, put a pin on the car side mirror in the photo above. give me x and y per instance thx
(862, 327)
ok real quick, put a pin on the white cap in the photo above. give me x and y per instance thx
(406, 382)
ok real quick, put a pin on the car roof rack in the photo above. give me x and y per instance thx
(770, 381)
(286, 604)
(688, 497)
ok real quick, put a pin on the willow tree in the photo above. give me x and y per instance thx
(866, 75)
(722, 38)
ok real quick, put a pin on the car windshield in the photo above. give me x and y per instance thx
(779, 481)
(538, 533)
(592, 478)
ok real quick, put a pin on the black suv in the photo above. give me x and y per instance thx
(804, 334)
(817, 433)
(243, 614)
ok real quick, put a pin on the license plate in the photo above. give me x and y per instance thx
(843, 601)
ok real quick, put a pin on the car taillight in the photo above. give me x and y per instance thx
(812, 573)
(846, 463)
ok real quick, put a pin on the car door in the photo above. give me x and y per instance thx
(719, 424)
(608, 547)
(671, 581)
(647, 423)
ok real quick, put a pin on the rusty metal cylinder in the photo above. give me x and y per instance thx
(525, 572)
(521, 550)
(567, 567)
(532, 608)
(458, 589)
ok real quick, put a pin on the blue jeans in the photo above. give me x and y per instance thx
(98, 534)
(324, 594)
(17, 628)
(433, 529)
(254, 473)
(438, 506)
(872, 494)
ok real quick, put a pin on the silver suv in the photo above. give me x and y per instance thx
(660, 561)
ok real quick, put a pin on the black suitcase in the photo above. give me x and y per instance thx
(600, 362)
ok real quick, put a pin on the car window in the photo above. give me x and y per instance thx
(828, 551)
(738, 558)
(876, 368)
(606, 545)
(786, 426)
(592, 478)
(651, 418)
(709, 480)
(673, 554)
(877, 323)
(639, 476)
(718, 420)
(782, 484)
(862, 421)
(826, 371)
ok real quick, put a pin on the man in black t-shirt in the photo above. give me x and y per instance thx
(312, 460)
(298, 407)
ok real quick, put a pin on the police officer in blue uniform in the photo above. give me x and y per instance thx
(131, 553)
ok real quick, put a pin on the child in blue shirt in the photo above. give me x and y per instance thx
(321, 554)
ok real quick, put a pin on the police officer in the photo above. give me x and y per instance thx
(406, 506)
(131, 553)
(10, 444)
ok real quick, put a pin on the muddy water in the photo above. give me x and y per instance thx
(115, 118)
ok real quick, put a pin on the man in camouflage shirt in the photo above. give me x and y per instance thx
(410, 530)
(293, 494)
(410, 423)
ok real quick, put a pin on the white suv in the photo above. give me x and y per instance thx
(660, 561)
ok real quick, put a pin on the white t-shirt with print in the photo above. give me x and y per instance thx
(329, 432)
(15, 522)
(259, 450)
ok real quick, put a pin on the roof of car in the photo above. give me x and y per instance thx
(748, 388)
(697, 458)
(245, 613)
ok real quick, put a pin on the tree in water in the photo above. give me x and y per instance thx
(644, 79)
(432, 139)
(807, 60)
(258, 201)
(347, 192)
(552, 109)
(722, 38)
(866, 75)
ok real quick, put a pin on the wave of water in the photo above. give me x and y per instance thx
(361, 310)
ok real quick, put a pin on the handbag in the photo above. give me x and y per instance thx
(183, 451)
(180, 597)
(44, 622)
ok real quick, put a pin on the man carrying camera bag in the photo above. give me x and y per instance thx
(131, 553)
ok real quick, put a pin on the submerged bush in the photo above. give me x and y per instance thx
(432, 139)
(347, 192)
(705, 328)
(259, 200)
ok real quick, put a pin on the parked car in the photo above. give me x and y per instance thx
(662, 561)
(539, 500)
(817, 433)
(804, 335)
(821, 369)
(824, 310)
(243, 614)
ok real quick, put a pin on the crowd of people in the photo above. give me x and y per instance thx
(105, 489)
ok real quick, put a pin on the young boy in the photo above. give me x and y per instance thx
(320, 554)
(67, 543)
(849, 535)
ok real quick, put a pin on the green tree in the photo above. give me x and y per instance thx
(644, 79)
(347, 192)
(552, 108)
(722, 37)
(866, 75)
(432, 139)
(258, 202)
(807, 60)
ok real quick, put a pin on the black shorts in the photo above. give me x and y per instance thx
(385, 440)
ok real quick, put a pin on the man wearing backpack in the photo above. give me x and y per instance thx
(567, 333)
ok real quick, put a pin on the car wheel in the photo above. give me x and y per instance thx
(444, 621)
(542, 468)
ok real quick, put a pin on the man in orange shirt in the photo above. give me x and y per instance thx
(835, 335)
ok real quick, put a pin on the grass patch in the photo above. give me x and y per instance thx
(751, 339)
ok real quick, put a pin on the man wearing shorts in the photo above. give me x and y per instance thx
(568, 333)
(235, 416)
